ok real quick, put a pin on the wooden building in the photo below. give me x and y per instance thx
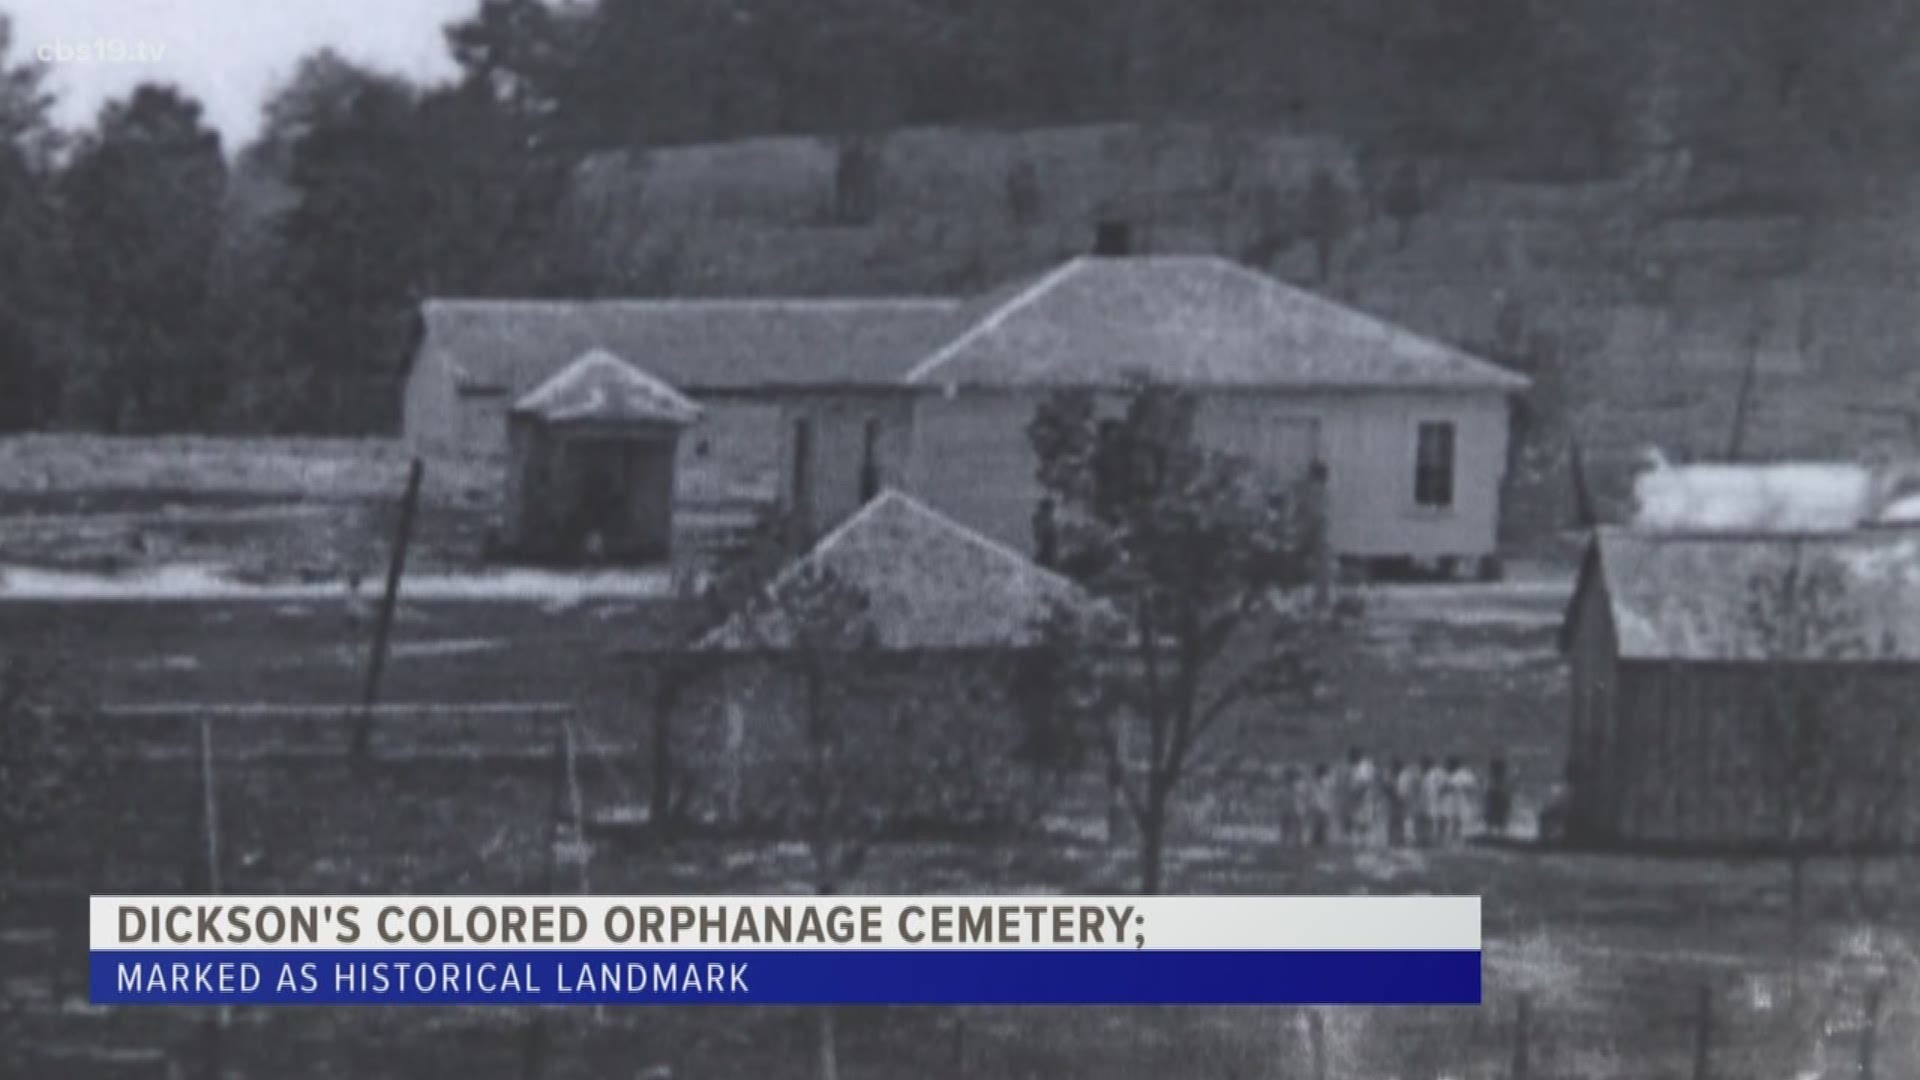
(820, 403)
(1745, 692)
(795, 395)
(1412, 433)
(592, 464)
(923, 694)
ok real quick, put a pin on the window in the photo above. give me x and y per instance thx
(1433, 465)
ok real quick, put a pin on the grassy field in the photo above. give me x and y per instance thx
(1610, 953)
(268, 508)
(271, 510)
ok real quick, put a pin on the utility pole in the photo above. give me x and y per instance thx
(383, 625)
(1743, 401)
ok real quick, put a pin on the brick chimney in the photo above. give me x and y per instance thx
(1113, 239)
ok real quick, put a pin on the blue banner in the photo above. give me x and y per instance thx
(785, 977)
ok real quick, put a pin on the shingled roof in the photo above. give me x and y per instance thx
(1194, 321)
(1691, 598)
(930, 583)
(696, 345)
(600, 386)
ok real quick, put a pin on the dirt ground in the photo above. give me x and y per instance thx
(1611, 954)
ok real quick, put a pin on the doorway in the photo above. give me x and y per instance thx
(597, 512)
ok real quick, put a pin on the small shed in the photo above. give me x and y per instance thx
(932, 707)
(592, 454)
(1745, 691)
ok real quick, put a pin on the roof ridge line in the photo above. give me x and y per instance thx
(820, 546)
(1386, 328)
(787, 572)
(699, 301)
(992, 321)
(893, 494)
(981, 539)
(839, 532)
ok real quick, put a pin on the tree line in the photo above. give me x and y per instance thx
(154, 279)
(157, 280)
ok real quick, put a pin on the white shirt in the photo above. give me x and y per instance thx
(1461, 787)
(1363, 774)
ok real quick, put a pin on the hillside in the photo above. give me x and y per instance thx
(1655, 289)
(1639, 300)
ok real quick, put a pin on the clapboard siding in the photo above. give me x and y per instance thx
(971, 459)
(1680, 753)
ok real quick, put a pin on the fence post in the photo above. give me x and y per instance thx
(1317, 1043)
(1870, 1028)
(1522, 1037)
(213, 1029)
(959, 1045)
(1703, 1034)
(210, 807)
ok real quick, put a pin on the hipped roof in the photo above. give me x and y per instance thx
(930, 584)
(1193, 321)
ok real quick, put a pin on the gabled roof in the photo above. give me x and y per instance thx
(600, 386)
(1195, 321)
(1675, 597)
(930, 583)
(511, 346)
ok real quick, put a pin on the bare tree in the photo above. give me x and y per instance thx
(1207, 572)
(675, 666)
(814, 633)
(854, 744)
(1830, 749)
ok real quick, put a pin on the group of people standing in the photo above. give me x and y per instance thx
(1405, 803)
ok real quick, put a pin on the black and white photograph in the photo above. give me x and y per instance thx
(1130, 449)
